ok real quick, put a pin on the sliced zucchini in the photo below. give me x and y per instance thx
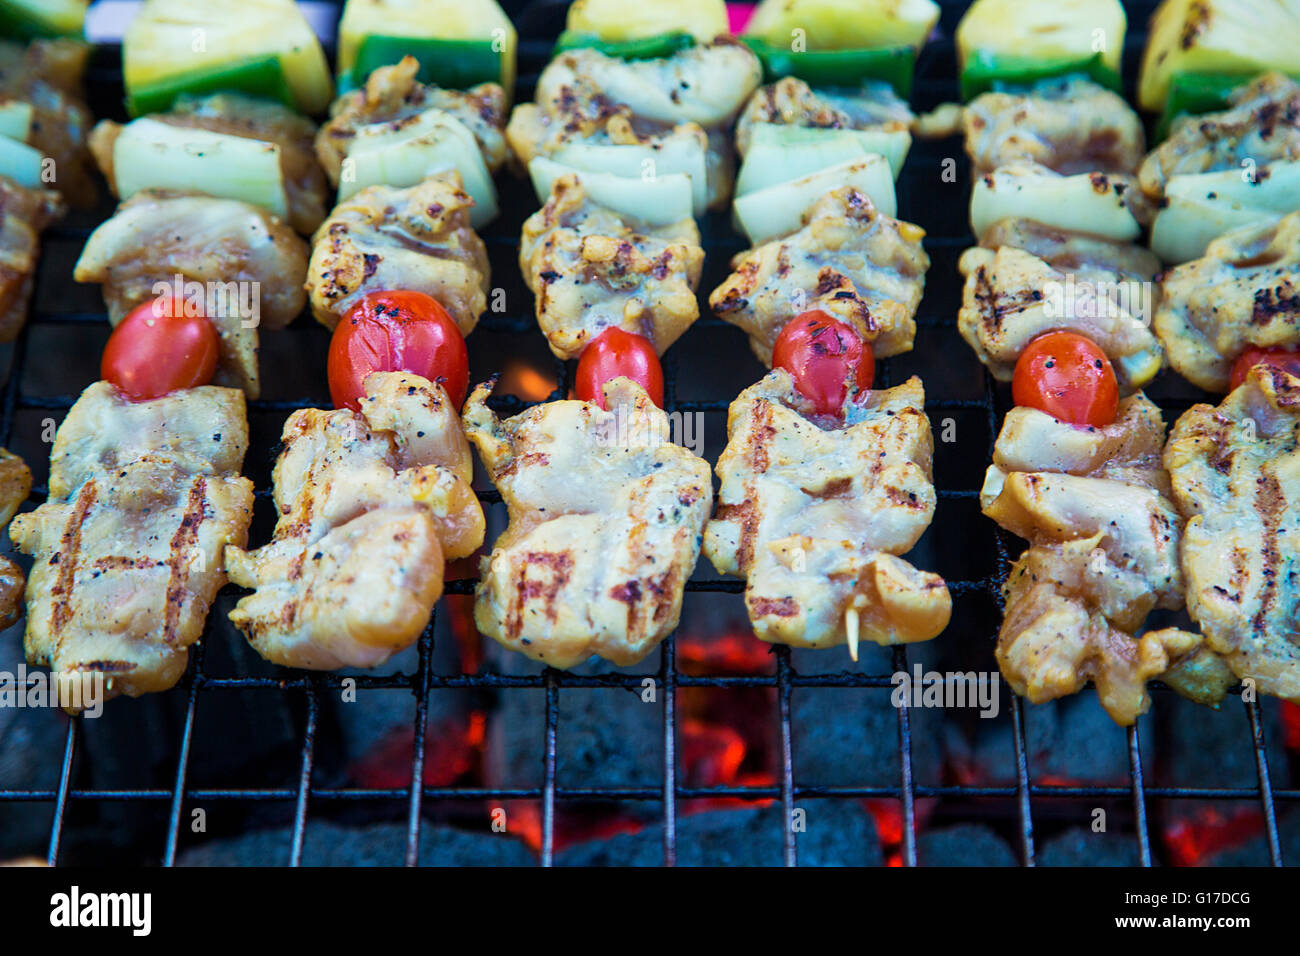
(778, 210)
(434, 143)
(16, 120)
(1199, 208)
(1238, 38)
(632, 161)
(843, 24)
(779, 153)
(153, 155)
(660, 201)
(1087, 203)
(1019, 41)
(32, 19)
(260, 47)
(459, 43)
(618, 21)
(21, 163)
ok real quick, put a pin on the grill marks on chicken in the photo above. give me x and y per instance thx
(1262, 125)
(1012, 295)
(24, 213)
(418, 238)
(48, 74)
(815, 517)
(585, 96)
(1235, 470)
(591, 268)
(1104, 535)
(861, 266)
(605, 522)
(228, 246)
(393, 97)
(792, 102)
(251, 118)
(1244, 292)
(1070, 125)
(371, 505)
(143, 499)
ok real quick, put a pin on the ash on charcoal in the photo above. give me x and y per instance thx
(382, 844)
(1082, 847)
(1201, 747)
(1068, 739)
(836, 833)
(967, 844)
(608, 737)
(849, 736)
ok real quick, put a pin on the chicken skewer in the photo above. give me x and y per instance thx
(814, 512)
(1233, 470)
(1055, 206)
(595, 566)
(371, 505)
(144, 495)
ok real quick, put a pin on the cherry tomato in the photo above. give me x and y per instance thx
(396, 332)
(616, 353)
(154, 351)
(1068, 376)
(824, 355)
(1287, 360)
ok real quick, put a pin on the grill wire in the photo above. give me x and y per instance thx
(935, 82)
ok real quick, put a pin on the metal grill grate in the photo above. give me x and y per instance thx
(973, 594)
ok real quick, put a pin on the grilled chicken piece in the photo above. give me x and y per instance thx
(418, 238)
(1094, 505)
(1244, 292)
(605, 522)
(585, 96)
(24, 213)
(792, 102)
(371, 505)
(48, 75)
(1012, 296)
(1072, 252)
(1070, 125)
(15, 486)
(859, 265)
(249, 262)
(237, 115)
(1263, 126)
(591, 268)
(814, 517)
(143, 498)
(393, 97)
(1235, 472)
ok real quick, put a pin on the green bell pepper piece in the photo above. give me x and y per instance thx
(988, 71)
(649, 48)
(20, 22)
(838, 68)
(452, 64)
(262, 77)
(1195, 93)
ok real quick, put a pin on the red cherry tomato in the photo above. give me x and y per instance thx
(823, 355)
(616, 353)
(1069, 377)
(396, 332)
(1287, 360)
(154, 351)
